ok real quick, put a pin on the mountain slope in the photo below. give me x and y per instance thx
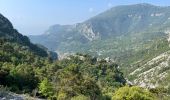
(19, 58)
(8, 33)
(154, 73)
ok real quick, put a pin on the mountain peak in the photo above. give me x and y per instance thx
(135, 5)
(145, 4)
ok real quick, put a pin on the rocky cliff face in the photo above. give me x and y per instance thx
(153, 73)
(6, 95)
(87, 30)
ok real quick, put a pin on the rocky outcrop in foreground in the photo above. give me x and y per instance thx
(4, 95)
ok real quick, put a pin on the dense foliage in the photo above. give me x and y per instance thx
(79, 76)
(133, 93)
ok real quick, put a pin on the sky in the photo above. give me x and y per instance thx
(33, 17)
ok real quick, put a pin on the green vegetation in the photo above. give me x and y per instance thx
(26, 68)
(79, 76)
(133, 93)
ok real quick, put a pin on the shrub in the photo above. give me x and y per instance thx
(133, 93)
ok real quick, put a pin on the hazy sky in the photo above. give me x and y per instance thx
(35, 16)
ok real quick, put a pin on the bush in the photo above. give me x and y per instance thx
(80, 97)
(133, 93)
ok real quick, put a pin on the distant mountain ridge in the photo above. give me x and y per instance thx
(118, 21)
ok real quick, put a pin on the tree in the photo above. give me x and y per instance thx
(45, 88)
(133, 93)
(80, 97)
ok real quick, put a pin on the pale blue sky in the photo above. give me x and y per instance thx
(35, 16)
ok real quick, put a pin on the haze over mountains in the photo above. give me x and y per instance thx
(133, 35)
